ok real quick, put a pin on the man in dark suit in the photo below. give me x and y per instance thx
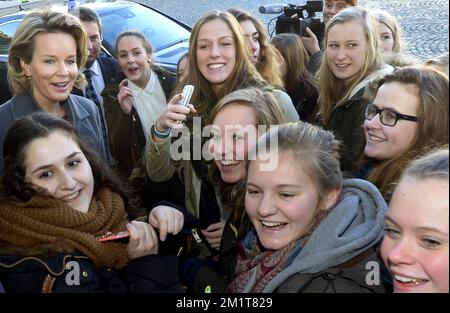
(100, 71)
(106, 70)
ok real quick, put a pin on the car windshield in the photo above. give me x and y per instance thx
(161, 31)
(7, 30)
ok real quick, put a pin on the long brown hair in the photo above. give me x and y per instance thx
(296, 58)
(432, 124)
(269, 60)
(243, 75)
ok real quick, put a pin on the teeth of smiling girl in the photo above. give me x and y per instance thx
(408, 279)
(214, 66)
(271, 224)
(71, 196)
(229, 162)
(377, 139)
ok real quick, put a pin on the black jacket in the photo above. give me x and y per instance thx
(76, 273)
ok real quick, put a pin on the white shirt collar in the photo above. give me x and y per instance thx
(95, 69)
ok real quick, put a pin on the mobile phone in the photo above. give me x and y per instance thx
(187, 94)
(122, 236)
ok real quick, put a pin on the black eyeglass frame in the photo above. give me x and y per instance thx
(398, 116)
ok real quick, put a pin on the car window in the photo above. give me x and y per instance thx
(161, 32)
(7, 30)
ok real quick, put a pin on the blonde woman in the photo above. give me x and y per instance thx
(45, 56)
(352, 58)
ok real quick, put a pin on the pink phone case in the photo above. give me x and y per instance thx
(113, 236)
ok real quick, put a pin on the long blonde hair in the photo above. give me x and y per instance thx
(332, 91)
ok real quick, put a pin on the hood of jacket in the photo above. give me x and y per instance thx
(352, 227)
(385, 69)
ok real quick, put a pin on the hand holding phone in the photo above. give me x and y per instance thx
(188, 90)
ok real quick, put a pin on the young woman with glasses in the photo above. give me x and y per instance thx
(408, 116)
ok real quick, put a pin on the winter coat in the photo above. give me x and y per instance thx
(336, 257)
(125, 132)
(76, 273)
(346, 122)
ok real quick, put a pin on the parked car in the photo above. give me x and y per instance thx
(169, 37)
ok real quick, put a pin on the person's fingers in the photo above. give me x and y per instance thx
(215, 226)
(176, 108)
(163, 225)
(175, 99)
(134, 234)
(214, 242)
(134, 238)
(311, 34)
(179, 221)
(215, 233)
(208, 235)
(123, 83)
(176, 116)
(192, 108)
(153, 220)
(127, 91)
(154, 240)
(153, 235)
(146, 239)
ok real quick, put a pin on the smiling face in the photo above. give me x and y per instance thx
(415, 247)
(385, 36)
(346, 50)
(134, 60)
(57, 164)
(230, 144)
(53, 68)
(385, 142)
(252, 39)
(282, 203)
(216, 52)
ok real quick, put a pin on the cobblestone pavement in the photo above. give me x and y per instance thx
(424, 22)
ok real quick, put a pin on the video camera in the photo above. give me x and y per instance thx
(293, 19)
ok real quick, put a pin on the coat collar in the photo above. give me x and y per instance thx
(25, 104)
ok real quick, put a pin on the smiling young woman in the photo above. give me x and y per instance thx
(56, 198)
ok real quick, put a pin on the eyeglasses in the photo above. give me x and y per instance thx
(387, 116)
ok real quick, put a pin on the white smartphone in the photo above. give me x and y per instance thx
(187, 94)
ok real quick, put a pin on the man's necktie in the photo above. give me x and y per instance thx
(90, 92)
(91, 95)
